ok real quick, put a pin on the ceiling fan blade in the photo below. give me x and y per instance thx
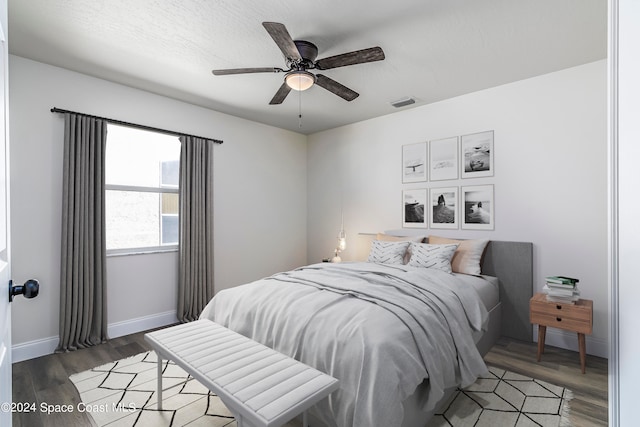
(335, 87)
(356, 57)
(280, 35)
(280, 95)
(246, 71)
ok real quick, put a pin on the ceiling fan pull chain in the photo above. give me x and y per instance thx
(300, 109)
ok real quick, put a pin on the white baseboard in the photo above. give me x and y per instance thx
(127, 327)
(32, 349)
(44, 346)
(569, 341)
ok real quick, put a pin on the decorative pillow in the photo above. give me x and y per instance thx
(390, 238)
(432, 256)
(387, 252)
(468, 255)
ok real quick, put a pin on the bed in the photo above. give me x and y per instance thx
(388, 331)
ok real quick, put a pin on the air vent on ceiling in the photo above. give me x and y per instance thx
(403, 102)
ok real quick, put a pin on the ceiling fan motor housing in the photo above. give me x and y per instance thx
(308, 51)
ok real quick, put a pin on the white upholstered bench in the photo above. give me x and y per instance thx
(261, 387)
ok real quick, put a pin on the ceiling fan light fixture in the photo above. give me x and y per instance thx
(300, 80)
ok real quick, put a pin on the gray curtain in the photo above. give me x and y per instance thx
(83, 299)
(195, 286)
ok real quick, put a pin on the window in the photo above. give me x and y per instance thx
(141, 182)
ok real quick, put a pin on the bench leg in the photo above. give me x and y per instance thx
(305, 420)
(159, 381)
(241, 421)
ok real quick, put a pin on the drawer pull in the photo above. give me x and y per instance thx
(559, 307)
(558, 319)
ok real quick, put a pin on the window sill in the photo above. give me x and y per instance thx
(140, 251)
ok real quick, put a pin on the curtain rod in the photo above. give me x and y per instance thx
(134, 125)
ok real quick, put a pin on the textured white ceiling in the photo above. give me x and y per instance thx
(435, 49)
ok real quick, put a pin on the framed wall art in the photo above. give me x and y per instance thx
(444, 207)
(414, 162)
(477, 202)
(414, 212)
(477, 155)
(443, 158)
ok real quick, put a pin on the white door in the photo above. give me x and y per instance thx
(5, 266)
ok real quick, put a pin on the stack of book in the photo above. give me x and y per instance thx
(562, 289)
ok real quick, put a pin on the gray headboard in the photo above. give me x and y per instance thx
(512, 264)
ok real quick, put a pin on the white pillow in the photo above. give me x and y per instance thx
(424, 255)
(387, 252)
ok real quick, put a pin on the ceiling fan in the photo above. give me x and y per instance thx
(300, 56)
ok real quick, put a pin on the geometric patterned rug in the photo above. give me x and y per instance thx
(122, 393)
(504, 398)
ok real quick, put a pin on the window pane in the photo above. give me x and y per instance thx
(169, 204)
(170, 175)
(169, 229)
(132, 219)
(136, 157)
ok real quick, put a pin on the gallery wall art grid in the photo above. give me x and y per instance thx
(442, 206)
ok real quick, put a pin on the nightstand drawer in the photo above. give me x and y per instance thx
(581, 326)
(570, 311)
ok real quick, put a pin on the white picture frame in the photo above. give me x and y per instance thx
(476, 155)
(414, 208)
(444, 211)
(443, 159)
(414, 162)
(478, 206)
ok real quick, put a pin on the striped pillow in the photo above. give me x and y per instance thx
(390, 238)
(387, 252)
(432, 256)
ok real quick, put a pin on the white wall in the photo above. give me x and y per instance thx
(550, 177)
(625, 356)
(260, 188)
(550, 187)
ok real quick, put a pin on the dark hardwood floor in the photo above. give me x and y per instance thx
(589, 406)
(46, 379)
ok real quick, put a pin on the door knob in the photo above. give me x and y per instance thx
(29, 289)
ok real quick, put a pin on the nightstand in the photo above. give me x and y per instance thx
(576, 317)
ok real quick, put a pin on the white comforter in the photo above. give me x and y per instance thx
(379, 329)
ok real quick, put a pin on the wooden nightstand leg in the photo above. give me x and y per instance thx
(542, 332)
(583, 352)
